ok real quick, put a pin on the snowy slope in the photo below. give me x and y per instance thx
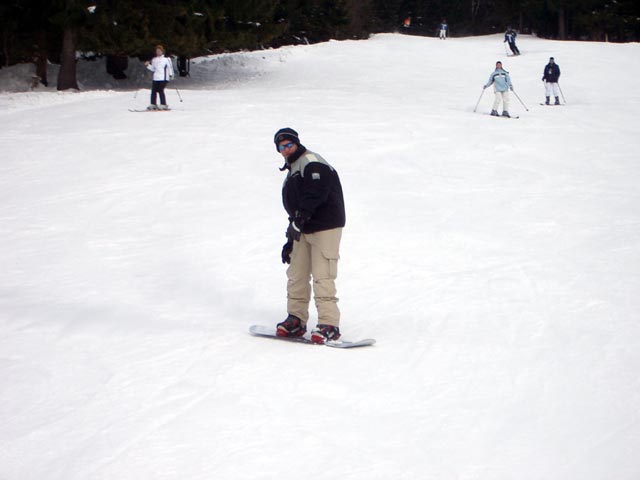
(495, 261)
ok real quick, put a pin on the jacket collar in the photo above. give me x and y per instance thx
(294, 158)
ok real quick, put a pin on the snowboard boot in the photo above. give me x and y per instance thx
(291, 327)
(153, 106)
(163, 107)
(547, 102)
(494, 113)
(506, 114)
(324, 333)
(557, 101)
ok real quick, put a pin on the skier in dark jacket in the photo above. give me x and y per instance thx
(510, 37)
(443, 30)
(550, 76)
(312, 197)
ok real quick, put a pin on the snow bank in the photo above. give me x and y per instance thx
(91, 75)
(209, 72)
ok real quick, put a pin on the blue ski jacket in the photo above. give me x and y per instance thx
(500, 80)
(510, 36)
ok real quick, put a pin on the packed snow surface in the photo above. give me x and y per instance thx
(496, 262)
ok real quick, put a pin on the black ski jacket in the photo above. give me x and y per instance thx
(312, 191)
(551, 73)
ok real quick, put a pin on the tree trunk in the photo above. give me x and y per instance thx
(562, 31)
(67, 75)
(5, 49)
(521, 22)
(42, 54)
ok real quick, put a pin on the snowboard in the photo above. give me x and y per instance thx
(270, 332)
(145, 110)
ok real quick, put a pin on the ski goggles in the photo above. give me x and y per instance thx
(282, 148)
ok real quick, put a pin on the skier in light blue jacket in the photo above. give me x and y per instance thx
(501, 85)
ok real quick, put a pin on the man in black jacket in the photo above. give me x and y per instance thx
(550, 76)
(312, 197)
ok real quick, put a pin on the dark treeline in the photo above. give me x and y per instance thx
(54, 30)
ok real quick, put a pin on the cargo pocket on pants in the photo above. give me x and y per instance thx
(332, 258)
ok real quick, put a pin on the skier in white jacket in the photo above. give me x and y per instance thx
(162, 69)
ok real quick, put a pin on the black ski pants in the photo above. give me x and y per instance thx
(158, 87)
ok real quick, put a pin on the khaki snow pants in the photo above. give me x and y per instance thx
(315, 255)
(504, 97)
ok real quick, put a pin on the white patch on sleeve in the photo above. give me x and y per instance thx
(315, 176)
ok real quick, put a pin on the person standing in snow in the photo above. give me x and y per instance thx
(312, 197)
(510, 37)
(444, 29)
(501, 85)
(162, 69)
(550, 76)
(406, 24)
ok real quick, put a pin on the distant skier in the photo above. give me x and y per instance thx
(550, 76)
(501, 85)
(162, 69)
(444, 29)
(312, 197)
(510, 37)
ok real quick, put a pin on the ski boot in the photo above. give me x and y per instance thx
(506, 114)
(494, 113)
(557, 101)
(324, 333)
(163, 107)
(291, 327)
(153, 106)
(547, 101)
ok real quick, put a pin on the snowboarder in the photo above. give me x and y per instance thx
(510, 37)
(550, 76)
(312, 197)
(501, 85)
(162, 69)
(444, 29)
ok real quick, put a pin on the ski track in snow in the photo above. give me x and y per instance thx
(496, 264)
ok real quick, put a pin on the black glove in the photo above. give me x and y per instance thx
(296, 226)
(294, 232)
(287, 248)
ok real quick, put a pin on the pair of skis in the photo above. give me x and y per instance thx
(502, 116)
(148, 110)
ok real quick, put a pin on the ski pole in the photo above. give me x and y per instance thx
(514, 92)
(178, 92)
(135, 95)
(476, 107)
(559, 88)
